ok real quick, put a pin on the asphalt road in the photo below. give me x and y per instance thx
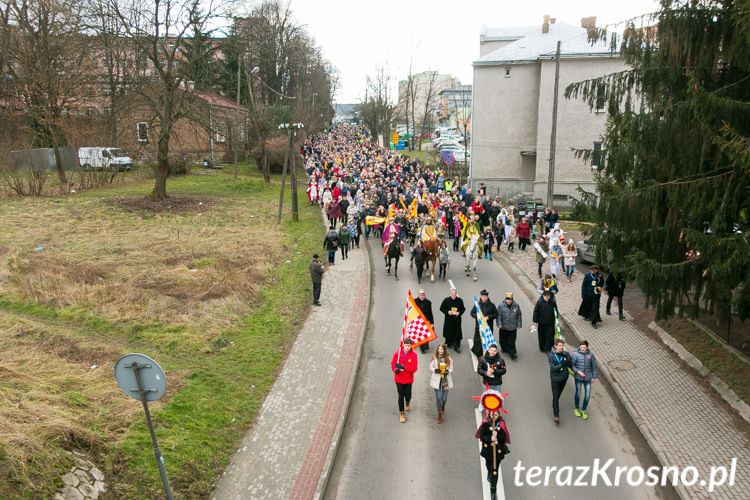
(381, 458)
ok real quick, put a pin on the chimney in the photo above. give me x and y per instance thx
(545, 26)
(588, 23)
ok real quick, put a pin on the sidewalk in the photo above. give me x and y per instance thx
(289, 450)
(679, 419)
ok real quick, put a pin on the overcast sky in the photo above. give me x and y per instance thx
(357, 36)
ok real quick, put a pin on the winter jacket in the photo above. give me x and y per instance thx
(331, 241)
(496, 362)
(345, 237)
(558, 365)
(523, 230)
(333, 210)
(435, 377)
(508, 316)
(316, 271)
(615, 285)
(410, 361)
(585, 363)
(418, 255)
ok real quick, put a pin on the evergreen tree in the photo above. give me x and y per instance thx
(672, 204)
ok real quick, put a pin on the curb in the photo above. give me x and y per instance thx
(530, 290)
(325, 475)
(719, 386)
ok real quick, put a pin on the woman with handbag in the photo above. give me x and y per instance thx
(441, 366)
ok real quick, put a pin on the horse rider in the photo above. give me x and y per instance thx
(472, 228)
(428, 231)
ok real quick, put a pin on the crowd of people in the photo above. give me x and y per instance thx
(367, 191)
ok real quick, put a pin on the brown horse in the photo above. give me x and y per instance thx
(432, 249)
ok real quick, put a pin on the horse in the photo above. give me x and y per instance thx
(432, 249)
(472, 255)
(393, 250)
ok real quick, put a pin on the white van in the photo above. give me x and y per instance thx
(99, 158)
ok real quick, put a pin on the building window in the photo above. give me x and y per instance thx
(601, 98)
(142, 131)
(507, 72)
(220, 135)
(560, 197)
(597, 155)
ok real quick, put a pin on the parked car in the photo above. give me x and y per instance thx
(99, 158)
(586, 251)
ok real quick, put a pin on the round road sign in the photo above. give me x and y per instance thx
(448, 158)
(153, 380)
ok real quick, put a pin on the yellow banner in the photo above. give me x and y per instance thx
(372, 220)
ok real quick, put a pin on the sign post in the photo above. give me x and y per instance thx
(394, 140)
(141, 378)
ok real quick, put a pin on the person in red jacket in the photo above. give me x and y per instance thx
(403, 365)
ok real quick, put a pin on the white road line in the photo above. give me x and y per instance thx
(478, 415)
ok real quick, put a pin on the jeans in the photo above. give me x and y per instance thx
(404, 393)
(316, 292)
(443, 268)
(367, 232)
(488, 252)
(344, 250)
(557, 388)
(586, 393)
(456, 242)
(441, 397)
(331, 256)
(569, 270)
(496, 388)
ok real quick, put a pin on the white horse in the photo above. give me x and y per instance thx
(472, 255)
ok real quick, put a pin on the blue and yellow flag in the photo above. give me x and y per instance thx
(484, 328)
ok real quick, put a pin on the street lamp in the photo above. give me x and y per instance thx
(289, 158)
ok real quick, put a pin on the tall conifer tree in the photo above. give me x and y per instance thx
(673, 191)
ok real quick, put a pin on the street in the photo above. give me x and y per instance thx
(382, 458)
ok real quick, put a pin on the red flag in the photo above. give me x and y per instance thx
(416, 327)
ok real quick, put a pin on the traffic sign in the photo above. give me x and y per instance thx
(152, 384)
(394, 139)
(448, 158)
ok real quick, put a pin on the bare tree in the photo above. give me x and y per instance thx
(430, 101)
(47, 61)
(377, 110)
(461, 114)
(159, 31)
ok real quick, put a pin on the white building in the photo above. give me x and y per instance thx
(512, 109)
(427, 88)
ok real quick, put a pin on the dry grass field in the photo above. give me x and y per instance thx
(205, 283)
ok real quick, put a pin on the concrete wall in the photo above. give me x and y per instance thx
(577, 126)
(504, 124)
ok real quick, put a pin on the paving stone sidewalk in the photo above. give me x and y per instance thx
(681, 421)
(288, 451)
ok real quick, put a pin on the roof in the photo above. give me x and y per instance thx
(216, 100)
(502, 34)
(535, 45)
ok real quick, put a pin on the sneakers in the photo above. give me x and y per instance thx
(407, 406)
(585, 415)
(402, 417)
(577, 412)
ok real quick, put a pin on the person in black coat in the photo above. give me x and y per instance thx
(615, 287)
(418, 258)
(591, 294)
(453, 308)
(544, 321)
(425, 305)
(490, 312)
(559, 364)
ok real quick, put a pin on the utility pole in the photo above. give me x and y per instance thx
(237, 117)
(553, 134)
(288, 158)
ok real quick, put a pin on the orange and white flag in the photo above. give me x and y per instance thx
(416, 327)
